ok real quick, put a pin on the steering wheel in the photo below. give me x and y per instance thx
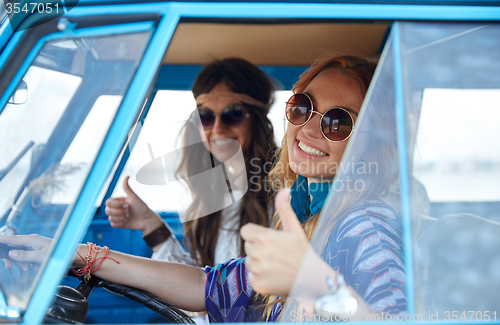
(71, 305)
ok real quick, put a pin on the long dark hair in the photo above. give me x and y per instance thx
(241, 77)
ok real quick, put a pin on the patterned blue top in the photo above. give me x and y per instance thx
(365, 246)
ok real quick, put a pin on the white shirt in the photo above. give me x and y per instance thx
(228, 241)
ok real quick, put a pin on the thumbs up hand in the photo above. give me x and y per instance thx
(274, 257)
(131, 212)
(289, 221)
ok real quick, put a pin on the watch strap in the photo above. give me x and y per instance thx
(157, 236)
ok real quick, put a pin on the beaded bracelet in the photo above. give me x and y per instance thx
(92, 263)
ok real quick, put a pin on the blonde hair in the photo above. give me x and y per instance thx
(362, 70)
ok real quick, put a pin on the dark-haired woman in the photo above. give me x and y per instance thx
(233, 98)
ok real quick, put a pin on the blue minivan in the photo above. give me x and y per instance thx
(99, 88)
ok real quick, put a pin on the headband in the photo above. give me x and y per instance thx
(244, 98)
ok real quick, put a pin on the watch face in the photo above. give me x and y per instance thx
(340, 305)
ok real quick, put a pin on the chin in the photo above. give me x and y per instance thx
(318, 171)
(225, 155)
(226, 150)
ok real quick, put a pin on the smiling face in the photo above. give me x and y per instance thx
(217, 136)
(309, 153)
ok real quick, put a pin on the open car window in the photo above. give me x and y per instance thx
(454, 123)
(161, 134)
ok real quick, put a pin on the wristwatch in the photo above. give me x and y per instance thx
(158, 236)
(338, 304)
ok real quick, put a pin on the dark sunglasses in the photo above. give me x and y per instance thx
(232, 115)
(336, 124)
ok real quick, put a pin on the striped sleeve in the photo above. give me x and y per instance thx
(366, 247)
(227, 292)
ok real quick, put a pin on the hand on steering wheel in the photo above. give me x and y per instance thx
(27, 250)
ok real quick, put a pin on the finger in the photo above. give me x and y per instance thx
(26, 256)
(257, 252)
(112, 212)
(289, 221)
(282, 197)
(250, 249)
(117, 222)
(127, 188)
(8, 263)
(115, 218)
(18, 240)
(256, 266)
(24, 266)
(249, 262)
(256, 282)
(251, 231)
(251, 279)
(117, 202)
(120, 225)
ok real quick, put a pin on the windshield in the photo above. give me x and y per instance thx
(49, 143)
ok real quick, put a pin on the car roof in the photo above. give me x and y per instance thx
(396, 2)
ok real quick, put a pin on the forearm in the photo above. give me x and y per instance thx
(181, 285)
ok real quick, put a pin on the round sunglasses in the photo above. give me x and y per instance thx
(232, 115)
(336, 124)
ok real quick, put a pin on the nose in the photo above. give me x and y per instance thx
(218, 126)
(312, 128)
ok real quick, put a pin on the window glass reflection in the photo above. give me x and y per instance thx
(48, 144)
(161, 134)
(453, 100)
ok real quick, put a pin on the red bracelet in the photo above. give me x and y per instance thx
(92, 263)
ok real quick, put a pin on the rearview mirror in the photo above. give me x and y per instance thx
(20, 96)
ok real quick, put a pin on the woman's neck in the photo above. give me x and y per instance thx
(236, 171)
(321, 179)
